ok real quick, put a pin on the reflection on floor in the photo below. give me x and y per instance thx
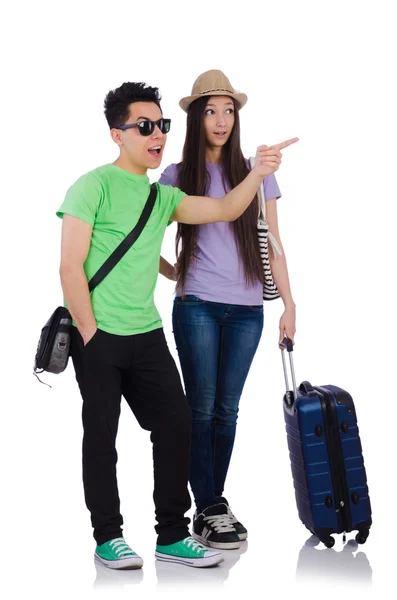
(349, 565)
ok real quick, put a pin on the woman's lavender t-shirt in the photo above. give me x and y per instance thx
(218, 274)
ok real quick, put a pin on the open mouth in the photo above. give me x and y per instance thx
(155, 151)
(220, 134)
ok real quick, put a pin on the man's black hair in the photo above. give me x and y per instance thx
(117, 101)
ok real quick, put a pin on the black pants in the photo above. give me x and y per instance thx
(141, 368)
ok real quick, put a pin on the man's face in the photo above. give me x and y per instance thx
(144, 152)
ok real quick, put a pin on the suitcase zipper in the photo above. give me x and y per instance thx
(337, 463)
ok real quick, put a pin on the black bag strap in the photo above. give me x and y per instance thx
(127, 242)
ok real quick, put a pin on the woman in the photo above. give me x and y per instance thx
(218, 309)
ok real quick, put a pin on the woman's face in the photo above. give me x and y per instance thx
(218, 120)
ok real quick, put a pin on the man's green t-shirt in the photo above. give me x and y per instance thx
(112, 200)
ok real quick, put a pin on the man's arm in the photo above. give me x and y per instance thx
(76, 239)
(195, 210)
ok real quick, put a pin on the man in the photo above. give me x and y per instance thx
(118, 344)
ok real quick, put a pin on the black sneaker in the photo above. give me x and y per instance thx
(239, 527)
(213, 528)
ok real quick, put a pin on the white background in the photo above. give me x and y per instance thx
(322, 71)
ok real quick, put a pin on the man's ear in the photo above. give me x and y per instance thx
(116, 136)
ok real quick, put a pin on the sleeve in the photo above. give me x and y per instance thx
(270, 187)
(177, 197)
(170, 175)
(172, 197)
(82, 199)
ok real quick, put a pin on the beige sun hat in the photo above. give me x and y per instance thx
(213, 83)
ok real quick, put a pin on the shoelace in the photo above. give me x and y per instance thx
(231, 515)
(120, 547)
(193, 545)
(221, 523)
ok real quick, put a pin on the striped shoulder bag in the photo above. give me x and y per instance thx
(270, 291)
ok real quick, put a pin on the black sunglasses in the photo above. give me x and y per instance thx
(147, 127)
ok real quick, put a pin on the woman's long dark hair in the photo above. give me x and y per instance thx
(193, 179)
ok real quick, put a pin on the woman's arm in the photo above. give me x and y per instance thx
(167, 269)
(280, 275)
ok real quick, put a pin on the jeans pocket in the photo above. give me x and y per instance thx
(91, 341)
(257, 309)
(189, 301)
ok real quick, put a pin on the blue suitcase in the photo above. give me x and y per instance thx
(326, 458)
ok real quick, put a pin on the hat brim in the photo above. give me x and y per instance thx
(240, 98)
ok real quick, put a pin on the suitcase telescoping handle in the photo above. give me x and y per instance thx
(287, 345)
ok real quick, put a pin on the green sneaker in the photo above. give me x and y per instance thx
(116, 554)
(188, 552)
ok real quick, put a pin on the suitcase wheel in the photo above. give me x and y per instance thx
(329, 542)
(361, 537)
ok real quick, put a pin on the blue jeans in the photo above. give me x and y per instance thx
(216, 344)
